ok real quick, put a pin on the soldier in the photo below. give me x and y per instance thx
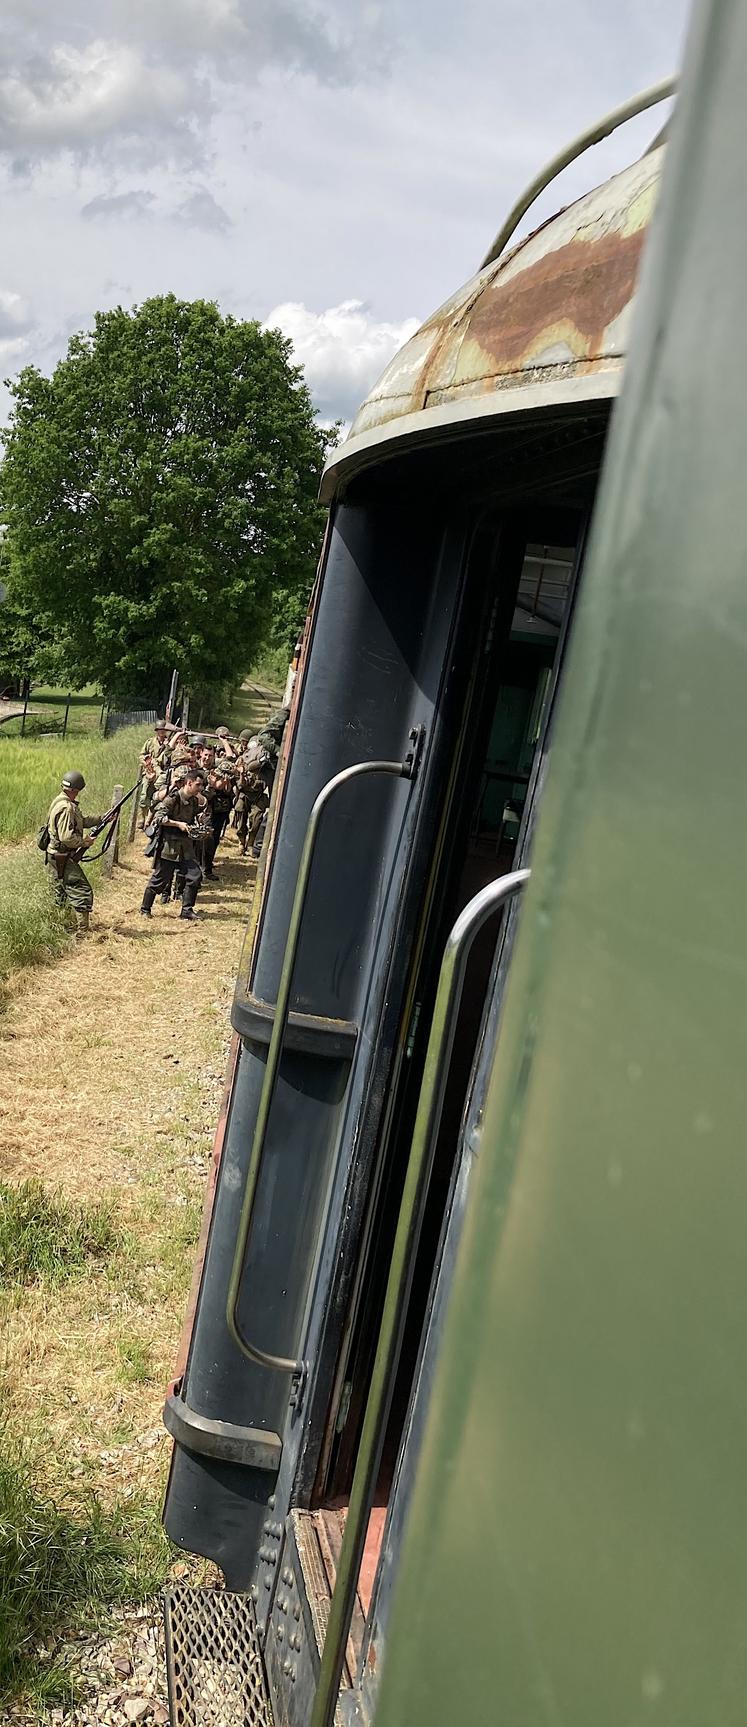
(152, 758)
(175, 817)
(224, 744)
(220, 791)
(253, 795)
(67, 843)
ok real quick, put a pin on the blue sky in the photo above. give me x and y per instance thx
(336, 168)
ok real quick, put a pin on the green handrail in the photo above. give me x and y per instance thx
(430, 1106)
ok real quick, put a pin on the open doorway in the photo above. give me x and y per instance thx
(522, 582)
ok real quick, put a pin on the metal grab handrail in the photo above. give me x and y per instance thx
(593, 135)
(430, 1106)
(263, 1357)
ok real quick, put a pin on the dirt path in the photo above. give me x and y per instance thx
(111, 1068)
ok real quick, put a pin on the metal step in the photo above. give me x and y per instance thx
(214, 1662)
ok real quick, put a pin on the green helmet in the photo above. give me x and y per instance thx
(245, 736)
(199, 741)
(73, 781)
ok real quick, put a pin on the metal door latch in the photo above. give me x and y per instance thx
(411, 762)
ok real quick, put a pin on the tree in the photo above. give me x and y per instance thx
(160, 497)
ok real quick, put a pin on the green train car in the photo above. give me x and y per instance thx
(461, 1414)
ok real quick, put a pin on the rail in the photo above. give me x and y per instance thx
(430, 1106)
(262, 1357)
(593, 135)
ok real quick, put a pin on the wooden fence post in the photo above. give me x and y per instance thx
(135, 807)
(111, 856)
(67, 715)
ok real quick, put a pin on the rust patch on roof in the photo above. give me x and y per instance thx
(557, 305)
(581, 288)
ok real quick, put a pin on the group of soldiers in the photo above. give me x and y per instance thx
(191, 787)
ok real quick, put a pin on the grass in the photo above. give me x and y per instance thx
(46, 714)
(60, 1564)
(30, 774)
(46, 1238)
(139, 1016)
(31, 927)
(135, 1361)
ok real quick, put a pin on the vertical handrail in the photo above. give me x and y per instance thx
(262, 1357)
(430, 1106)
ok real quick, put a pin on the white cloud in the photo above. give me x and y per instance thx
(77, 98)
(343, 350)
(105, 78)
(15, 317)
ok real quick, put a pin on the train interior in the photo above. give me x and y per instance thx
(528, 576)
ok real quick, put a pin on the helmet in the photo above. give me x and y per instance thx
(245, 736)
(161, 725)
(73, 781)
(199, 741)
(222, 732)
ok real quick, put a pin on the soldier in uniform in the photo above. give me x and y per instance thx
(175, 815)
(153, 756)
(253, 795)
(224, 745)
(221, 792)
(67, 843)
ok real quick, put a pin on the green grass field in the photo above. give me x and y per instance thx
(32, 930)
(46, 714)
(31, 770)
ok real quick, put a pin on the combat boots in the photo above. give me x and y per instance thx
(82, 922)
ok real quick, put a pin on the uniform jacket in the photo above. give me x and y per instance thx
(155, 750)
(176, 847)
(66, 826)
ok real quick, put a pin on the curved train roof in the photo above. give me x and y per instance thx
(546, 322)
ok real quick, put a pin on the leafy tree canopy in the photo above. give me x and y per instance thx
(160, 498)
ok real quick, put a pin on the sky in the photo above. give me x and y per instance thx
(335, 169)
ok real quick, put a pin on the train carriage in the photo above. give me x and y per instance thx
(371, 994)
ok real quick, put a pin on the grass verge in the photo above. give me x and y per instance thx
(46, 1238)
(61, 1564)
(85, 1359)
(30, 774)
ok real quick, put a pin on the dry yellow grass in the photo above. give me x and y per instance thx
(111, 1066)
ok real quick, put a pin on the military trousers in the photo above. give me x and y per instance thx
(70, 885)
(218, 822)
(163, 876)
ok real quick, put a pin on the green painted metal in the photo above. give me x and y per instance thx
(576, 1551)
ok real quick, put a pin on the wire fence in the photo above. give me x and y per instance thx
(132, 717)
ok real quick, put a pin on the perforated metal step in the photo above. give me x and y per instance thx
(214, 1662)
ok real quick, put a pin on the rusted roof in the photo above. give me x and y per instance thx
(556, 307)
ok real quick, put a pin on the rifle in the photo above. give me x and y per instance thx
(108, 820)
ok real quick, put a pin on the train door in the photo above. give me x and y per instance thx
(491, 789)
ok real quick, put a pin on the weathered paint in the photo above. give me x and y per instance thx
(558, 305)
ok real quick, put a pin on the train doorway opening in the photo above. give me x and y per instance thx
(519, 587)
